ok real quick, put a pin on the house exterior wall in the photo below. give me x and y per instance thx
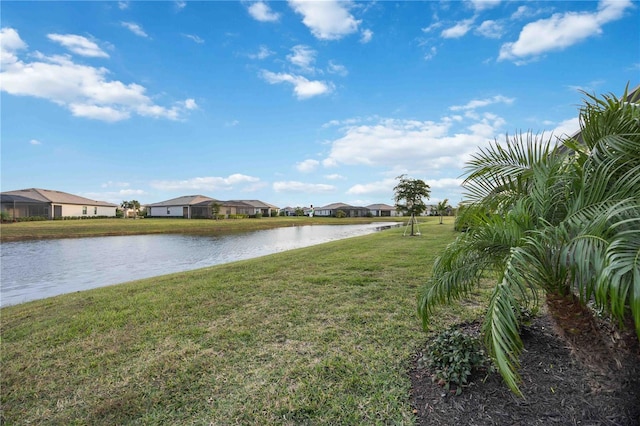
(72, 210)
(166, 211)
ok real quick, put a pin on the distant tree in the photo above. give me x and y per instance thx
(409, 196)
(299, 211)
(215, 209)
(442, 207)
(131, 205)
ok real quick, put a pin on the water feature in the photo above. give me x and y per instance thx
(43, 268)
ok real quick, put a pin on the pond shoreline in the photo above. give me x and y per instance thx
(36, 269)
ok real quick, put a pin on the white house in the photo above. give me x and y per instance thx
(35, 202)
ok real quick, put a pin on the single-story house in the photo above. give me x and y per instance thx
(383, 210)
(200, 207)
(35, 202)
(291, 211)
(253, 207)
(188, 206)
(349, 211)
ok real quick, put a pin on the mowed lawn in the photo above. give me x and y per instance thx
(320, 335)
(108, 227)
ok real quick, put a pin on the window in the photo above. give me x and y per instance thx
(168, 210)
(84, 209)
(95, 210)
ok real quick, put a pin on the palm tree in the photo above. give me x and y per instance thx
(442, 207)
(562, 218)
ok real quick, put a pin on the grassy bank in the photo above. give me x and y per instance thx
(107, 227)
(320, 335)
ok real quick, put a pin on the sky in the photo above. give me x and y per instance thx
(294, 103)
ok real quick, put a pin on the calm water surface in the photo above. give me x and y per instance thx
(37, 269)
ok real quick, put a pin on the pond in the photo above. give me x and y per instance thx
(38, 269)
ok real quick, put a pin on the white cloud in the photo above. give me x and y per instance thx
(562, 30)
(327, 20)
(412, 144)
(180, 4)
(302, 87)
(445, 183)
(334, 176)
(232, 123)
(112, 184)
(190, 104)
(458, 30)
(194, 38)
(302, 57)
(307, 166)
(82, 89)
(134, 28)
(79, 45)
(261, 11)
(431, 53)
(209, 183)
(479, 103)
(11, 43)
(35, 142)
(263, 53)
(366, 36)
(309, 188)
(522, 11)
(479, 5)
(334, 68)
(490, 29)
(381, 187)
(432, 27)
(122, 5)
(566, 128)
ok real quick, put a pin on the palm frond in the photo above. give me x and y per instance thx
(501, 335)
(499, 169)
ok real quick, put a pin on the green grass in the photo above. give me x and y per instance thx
(320, 335)
(107, 227)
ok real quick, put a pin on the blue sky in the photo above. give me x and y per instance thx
(292, 102)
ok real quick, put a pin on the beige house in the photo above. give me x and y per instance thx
(51, 204)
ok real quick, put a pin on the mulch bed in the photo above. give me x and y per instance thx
(571, 375)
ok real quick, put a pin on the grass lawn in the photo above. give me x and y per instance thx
(107, 227)
(320, 335)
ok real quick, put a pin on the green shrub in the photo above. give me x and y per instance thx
(340, 214)
(5, 216)
(454, 356)
(31, 219)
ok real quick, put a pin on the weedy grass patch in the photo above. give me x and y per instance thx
(320, 335)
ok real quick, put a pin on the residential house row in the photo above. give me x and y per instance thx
(51, 204)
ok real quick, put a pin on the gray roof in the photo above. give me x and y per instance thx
(254, 203)
(187, 200)
(339, 206)
(36, 195)
(380, 207)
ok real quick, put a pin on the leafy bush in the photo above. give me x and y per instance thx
(31, 219)
(453, 356)
(6, 217)
(340, 214)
